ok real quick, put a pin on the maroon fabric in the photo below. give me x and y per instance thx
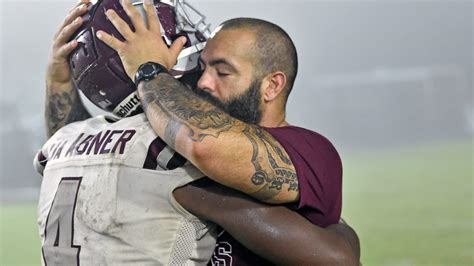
(319, 170)
(229, 252)
(42, 159)
(154, 150)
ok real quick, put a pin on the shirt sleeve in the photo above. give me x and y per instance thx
(319, 171)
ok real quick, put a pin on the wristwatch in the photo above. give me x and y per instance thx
(149, 71)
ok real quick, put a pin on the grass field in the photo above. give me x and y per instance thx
(410, 207)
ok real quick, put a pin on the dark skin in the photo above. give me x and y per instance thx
(336, 245)
(273, 232)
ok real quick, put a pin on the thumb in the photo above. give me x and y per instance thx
(177, 46)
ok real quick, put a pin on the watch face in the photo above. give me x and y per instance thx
(148, 69)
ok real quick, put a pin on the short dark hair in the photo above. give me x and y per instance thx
(274, 49)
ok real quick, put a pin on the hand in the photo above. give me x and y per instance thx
(143, 45)
(58, 73)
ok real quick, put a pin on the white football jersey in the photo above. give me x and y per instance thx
(106, 198)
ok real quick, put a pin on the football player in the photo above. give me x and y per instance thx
(106, 193)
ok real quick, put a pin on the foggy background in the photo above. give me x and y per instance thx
(374, 76)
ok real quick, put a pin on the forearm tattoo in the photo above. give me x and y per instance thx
(63, 108)
(279, 169)
(182, 108)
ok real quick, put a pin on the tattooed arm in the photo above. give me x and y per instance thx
(63, 104)
(229, 151)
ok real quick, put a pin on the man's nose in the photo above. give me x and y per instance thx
(206, 82)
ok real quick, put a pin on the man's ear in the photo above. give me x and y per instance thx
(273, 85)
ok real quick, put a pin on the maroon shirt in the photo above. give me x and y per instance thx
(319, 170)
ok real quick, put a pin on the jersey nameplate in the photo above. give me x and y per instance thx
(105, 142)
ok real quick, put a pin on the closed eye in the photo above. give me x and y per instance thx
(220, 74)
(222, 66)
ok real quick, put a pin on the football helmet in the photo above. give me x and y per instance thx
(96, 68)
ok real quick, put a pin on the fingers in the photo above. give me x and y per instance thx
(121, 26)
(152, 16)
(134, 15)
(66, 33)
(76, 12)
(110, 40)
(66, 49)
(177, 47)
(80, 2)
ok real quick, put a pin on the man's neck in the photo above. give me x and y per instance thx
(270, 119)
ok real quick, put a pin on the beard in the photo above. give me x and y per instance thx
(245, 107)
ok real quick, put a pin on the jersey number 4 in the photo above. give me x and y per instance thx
(58, 247)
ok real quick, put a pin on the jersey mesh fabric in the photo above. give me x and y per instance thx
(185, 243)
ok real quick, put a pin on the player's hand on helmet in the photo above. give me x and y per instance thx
(145, 43)
(58, 72)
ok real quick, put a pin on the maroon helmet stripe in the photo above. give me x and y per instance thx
(154, 150)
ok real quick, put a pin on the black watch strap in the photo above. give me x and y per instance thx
(149, 71)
